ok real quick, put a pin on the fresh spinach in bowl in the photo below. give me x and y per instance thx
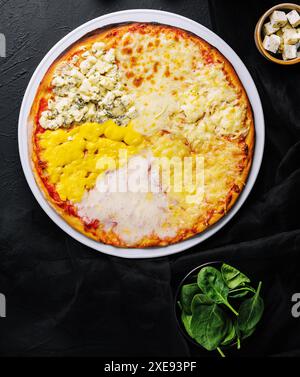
(220, 308)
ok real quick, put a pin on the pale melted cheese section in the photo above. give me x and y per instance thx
(130, 215)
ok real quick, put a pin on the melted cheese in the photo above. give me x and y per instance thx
(131, 215)
(170, 90)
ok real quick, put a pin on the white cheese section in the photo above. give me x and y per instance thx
(294, 18)
(278, 19)
(130, 215)
(90, 92)
(289, 52)
(269, 29)
(271, 43)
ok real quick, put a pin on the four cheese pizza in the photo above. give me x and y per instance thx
(141, 95)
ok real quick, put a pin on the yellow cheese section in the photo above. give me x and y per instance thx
(72, 155)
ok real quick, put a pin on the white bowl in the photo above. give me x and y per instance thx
(140, 15)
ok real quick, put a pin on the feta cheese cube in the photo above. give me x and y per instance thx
(272, 43)
(287, 27)
(289, 52)
(290, 36)
(278, 18)
(280, 48)
(294, 18)
(269, 29)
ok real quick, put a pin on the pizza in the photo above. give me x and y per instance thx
(142, 135)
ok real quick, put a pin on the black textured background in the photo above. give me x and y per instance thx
(64, 299)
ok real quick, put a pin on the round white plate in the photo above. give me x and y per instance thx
(140, 15)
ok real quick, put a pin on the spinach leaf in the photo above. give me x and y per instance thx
(231, 334)
(220, 352)
(188, 291)
(186, 320)
(251, 311)
(240, 292)
(211, 283)
(200, 298)
(233, 277)
(208, 325)
(238, 335)
(248, 333)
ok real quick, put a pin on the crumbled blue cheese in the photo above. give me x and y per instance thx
(90, 92)
(271, 43)
(294, 18)
(278, 18)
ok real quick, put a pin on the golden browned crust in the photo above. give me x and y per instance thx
(108, 35)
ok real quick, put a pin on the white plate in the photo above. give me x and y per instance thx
(140, 15)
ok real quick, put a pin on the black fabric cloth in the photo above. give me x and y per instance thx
(64, 299)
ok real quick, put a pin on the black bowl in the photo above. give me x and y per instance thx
(189, 278)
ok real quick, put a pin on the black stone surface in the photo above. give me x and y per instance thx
(64, 299)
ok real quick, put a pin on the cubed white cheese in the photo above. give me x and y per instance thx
(289, 52)
(280, 48)
(278, 18)
(290, 36)
(269, 29)
(294, 18)
(271, 43)
(287, 27)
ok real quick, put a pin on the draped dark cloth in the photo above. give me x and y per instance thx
(64, 299)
